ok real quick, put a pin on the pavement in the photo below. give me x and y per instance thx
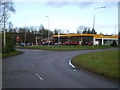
(49, 69)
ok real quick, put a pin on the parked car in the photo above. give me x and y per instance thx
(29, 43)
(58, 43)
(90, 43)
(22, 44)
(70, 43)
(46, 43)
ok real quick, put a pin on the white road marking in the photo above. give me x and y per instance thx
(33, 65)
(39, 77)
(74, 70)
(71, 64)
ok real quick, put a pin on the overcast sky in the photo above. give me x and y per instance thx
(67, 15)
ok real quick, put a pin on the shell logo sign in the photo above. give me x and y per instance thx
(17, 38)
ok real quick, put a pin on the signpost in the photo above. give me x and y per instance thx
(17, 39)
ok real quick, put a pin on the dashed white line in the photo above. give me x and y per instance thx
(33, 65)
(39, 77)
(74, 70)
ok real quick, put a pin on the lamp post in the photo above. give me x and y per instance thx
(41, 36)
(94, 22)
(115, 31)
(48, 30)
(25, 38)
(4, 26)
(68, 36)
(58, 38)
(36, 40)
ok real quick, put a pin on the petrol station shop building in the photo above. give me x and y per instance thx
(84, 39)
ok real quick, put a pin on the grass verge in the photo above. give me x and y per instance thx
(11, 54)
(62, 48)
(103, 63)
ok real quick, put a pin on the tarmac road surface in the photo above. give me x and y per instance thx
(49, 69)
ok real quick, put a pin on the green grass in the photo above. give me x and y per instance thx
(103, 63)
(62, 48)
(11, 54)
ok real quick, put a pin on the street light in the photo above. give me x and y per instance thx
(25, 38)
(48, 30)
(68, 36)
(41, 36)
(94, 22)
(58, 38)
(4, 26)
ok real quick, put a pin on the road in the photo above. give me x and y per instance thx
(49, 69)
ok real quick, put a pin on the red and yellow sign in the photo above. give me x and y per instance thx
(95, 35)
(17, 38)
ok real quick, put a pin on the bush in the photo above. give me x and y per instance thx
(114, 43)
(10, 46)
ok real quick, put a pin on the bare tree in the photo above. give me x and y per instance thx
(80, 29)
(6, 8)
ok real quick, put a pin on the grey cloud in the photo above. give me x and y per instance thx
(109, 4)
(62, 4)
(85, 4)
(81, 4)
(57, 4)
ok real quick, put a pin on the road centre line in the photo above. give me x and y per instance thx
(33, 65)
(39, 77)
(74, 70)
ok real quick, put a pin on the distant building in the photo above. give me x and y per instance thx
(87, 39)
